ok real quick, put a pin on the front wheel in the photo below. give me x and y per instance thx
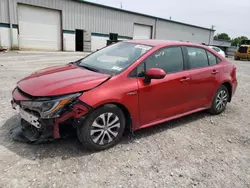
(103, 128)
(220, 100)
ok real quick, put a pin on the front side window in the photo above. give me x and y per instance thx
(141, 70)
(211, 58)
(169, 59)
(197, 58)
(114, 58)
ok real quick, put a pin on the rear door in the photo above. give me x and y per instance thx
(204, 73)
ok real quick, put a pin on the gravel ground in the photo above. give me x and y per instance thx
(199, 150)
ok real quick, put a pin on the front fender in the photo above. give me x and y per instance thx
(116, 91)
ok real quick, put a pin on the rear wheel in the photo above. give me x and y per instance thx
(103, 128)
(236, 58)
(220, 100)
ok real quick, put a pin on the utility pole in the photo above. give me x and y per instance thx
(209, 40)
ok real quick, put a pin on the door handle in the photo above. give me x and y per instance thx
(184, 79)
(215, 72)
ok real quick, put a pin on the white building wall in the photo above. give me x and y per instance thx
(222, 43)
(175, 31)
(79, 15)
(104, 20)
(98, 42)
(4, 16)
(4, 37)
(69, 42)
(15, 43)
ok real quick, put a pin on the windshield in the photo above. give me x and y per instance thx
(114, 58)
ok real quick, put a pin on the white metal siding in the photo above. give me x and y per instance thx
(4, 17)
(221, 43)
(100, 19)
(98, 42)
(96, 19)
(39, 28)
(174, 31)
(78, 15)
(142, 32)
(4, 37)
(69, 42)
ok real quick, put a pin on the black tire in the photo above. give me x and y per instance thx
(84, 132)
(214, 108)
(236, 58)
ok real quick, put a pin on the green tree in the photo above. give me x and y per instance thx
(222, 36)
(236, 41)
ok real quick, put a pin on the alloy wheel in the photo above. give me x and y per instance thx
(105, 128)
(221, 100)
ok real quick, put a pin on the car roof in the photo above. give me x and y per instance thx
(163, 42)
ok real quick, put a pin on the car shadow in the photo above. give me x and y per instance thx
(65, 148)
(71, 147)
(142, 133)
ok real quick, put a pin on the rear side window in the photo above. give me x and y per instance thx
(169, 59)
(197, 58)
(211, 58)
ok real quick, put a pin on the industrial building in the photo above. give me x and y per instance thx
(74, 25)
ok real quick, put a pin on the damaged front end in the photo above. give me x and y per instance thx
(42, 117)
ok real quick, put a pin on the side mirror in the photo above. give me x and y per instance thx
(154, 73)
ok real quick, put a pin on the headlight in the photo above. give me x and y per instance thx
(48, 108)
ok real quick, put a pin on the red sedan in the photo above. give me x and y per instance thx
(131, 84)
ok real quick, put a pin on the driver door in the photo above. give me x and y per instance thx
(165, 97)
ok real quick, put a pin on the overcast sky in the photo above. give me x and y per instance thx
(229, 16)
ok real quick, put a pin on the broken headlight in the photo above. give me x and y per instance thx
(49, 108)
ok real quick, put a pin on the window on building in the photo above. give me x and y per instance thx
(197, 58)
(169, 59)
(211, 58)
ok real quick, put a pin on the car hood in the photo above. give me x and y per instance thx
(60, 80)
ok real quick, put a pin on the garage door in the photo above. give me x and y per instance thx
(142, 32)
(39, 28)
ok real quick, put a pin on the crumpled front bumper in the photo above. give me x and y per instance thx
(49, 130)
(25, 132)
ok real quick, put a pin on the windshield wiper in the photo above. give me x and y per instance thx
(90, 68)
(75, 62)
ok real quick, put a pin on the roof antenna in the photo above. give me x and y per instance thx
(121, 5)
(170, 17)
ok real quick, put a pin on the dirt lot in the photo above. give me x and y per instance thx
(199, 150)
